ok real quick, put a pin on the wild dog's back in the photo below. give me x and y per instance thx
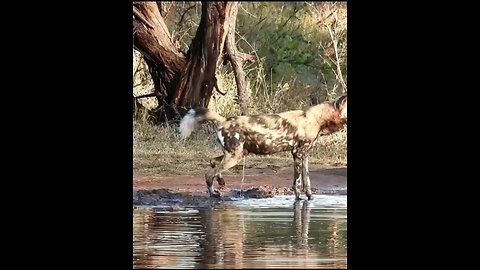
(260, 134)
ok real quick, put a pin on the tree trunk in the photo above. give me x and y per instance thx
(181, 82)
(198, 80)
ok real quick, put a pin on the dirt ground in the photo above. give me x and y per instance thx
(258, 183)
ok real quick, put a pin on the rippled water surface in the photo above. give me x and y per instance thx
(253, 233)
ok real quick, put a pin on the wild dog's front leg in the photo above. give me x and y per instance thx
(306, 178)
(297, 173)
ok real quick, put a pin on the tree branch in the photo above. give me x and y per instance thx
(218, 89)
(185, 12)
(141, 17)
(237, 59)
(154, 94)
(166, 12)
(337, 62)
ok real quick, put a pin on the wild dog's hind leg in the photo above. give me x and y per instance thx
(306, 178)
(215, 161)
(228, 161)
(221, 182)
(297, 173)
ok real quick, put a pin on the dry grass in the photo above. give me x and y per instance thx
(159, 151)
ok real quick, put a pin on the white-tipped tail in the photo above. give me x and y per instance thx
(187, 124)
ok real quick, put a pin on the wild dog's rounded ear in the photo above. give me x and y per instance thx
(340, 101)
(344, 101)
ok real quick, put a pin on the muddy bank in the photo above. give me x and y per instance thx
(258, 183)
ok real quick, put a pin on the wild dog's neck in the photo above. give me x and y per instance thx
(327, 118)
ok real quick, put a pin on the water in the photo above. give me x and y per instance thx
(255, 233)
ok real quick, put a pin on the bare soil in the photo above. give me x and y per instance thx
(257, 183)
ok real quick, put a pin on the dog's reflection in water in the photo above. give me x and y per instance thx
(301, 220)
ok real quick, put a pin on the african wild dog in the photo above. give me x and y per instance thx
(266, 134)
